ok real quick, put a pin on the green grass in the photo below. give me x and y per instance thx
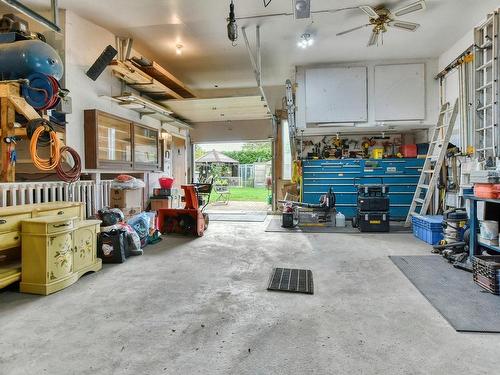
(248, 194)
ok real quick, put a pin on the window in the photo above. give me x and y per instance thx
(287, 152)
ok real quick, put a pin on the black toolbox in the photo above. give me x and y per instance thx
(373, 221)
(373, 204)
(373, 190)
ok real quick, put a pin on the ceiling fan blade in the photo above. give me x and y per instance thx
(410, 8)
(353, 29)
(369, 11)
(404, 25)
(373, 39)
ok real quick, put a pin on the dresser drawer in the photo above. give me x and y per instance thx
(64, 212)
(12, 222)
(10, 240)
(60, 226)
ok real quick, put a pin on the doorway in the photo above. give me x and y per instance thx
(241, 174)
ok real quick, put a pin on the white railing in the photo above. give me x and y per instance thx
(95, 196)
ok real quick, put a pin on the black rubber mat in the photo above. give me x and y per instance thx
(452, 292)
(291, 280)
(275, 226)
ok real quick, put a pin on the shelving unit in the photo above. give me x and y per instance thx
(486, 87)
(474, 245)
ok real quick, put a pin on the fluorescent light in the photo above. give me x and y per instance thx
(34, 15)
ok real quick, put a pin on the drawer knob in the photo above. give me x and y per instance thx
(60, 213)
(3, 221)
(16, 238)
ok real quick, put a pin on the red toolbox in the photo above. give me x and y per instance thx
(408, 151)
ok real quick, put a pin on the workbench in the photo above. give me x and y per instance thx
(344, 175)
(475, 244)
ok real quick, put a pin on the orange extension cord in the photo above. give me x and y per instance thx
(55, 150)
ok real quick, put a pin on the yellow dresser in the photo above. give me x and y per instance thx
(56, 252)
(10, 232)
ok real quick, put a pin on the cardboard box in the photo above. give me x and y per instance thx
(126, 198)
(157, 204)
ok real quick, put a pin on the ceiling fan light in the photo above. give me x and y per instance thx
(410, 8)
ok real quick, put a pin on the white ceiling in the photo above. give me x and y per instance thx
(208, 58)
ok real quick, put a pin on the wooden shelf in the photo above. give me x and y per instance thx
(142, 82)
(159, 73)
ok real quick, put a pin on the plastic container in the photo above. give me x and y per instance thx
(378, 153)
(488, 191)
(408, 151)
(428, 228)
(166, 182)
(340, 220)
(489, 229)
(486, 272)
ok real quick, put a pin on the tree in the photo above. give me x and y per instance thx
(252, 153)
(198, 152)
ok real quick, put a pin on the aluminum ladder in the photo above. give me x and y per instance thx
(429, 176)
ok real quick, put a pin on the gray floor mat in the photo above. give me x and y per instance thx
(275, 226)
(452, 292)
(238, 216)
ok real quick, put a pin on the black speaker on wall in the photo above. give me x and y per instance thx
(101, 63)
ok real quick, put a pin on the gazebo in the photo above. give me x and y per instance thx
(205, 163)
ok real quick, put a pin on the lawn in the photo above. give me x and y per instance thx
(246, 194)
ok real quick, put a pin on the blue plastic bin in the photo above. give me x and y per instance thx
(428, 228)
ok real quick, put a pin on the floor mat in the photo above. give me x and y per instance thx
(452, 292)
(238, 216)
(291, 280)
(275, 226)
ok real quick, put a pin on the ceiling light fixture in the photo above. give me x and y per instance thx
(178, 49)
(306, 40)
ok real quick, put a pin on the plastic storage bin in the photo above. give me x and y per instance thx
(428, 228)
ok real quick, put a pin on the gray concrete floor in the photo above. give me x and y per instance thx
(200, 306)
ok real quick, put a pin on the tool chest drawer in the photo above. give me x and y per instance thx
(400, 175)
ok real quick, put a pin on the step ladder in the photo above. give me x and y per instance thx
(433, 163)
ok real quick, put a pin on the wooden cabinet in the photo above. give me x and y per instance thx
(146, 153)
(56, 252)
(85, 245)
(10, 232)
(112, 142)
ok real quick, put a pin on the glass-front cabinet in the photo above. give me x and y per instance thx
(146, 147)
(115, 143)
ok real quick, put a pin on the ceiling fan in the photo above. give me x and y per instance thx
(381, 18)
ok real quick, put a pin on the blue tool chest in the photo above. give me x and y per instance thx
(401, 175)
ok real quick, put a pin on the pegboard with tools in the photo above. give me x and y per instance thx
(351, 146)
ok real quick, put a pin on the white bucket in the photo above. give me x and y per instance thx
(489, 229)
(340, 220)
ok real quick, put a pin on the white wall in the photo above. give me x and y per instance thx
(84, 43)
(456, 50)
(432, 92)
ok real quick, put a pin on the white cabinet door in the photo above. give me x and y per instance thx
(400, 92)
(337, 94)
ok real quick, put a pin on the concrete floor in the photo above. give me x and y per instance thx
(200, 306)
